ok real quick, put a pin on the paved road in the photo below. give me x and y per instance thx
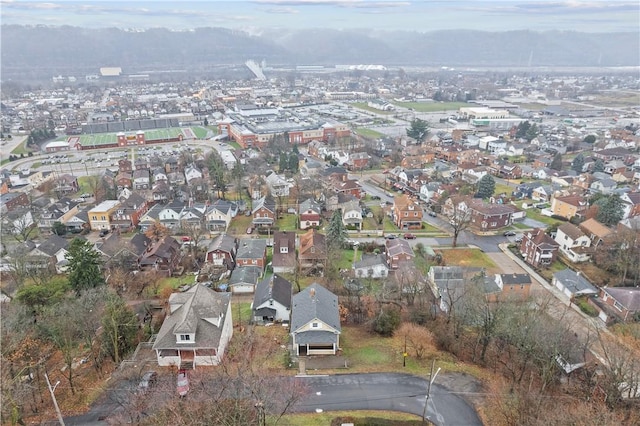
(387, 391)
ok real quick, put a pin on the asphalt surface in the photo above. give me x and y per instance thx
(387, 391)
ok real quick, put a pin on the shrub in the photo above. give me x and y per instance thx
(585, 307)
(386, 322)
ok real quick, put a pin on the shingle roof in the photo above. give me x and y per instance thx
(315, 302)
(509, 279)
(251, 248)
(571, 230)
(574, 282)
(629, 297)
(370, 260)
(274, 287)
(245, 275)
(201, 311)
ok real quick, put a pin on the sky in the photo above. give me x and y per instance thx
(253, 15)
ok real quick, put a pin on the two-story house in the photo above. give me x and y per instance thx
(264, 212)
(371, 266)
(485, 216)
(162, 256)
(100, 215)
(574, 243)
(127, 215)
(309, 214)
(351, 215)
(569, 206)
(252, 252)
(397, 251)
(315, 322)
(141, 179)
(538, 249)
(272, 300)
(197, 329)
(406, 213)
(219, 214)
(284, 252)
(312, 254)
(222, 251)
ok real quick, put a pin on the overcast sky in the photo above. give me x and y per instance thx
(417, 15)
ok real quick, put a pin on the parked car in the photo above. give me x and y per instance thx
(432, 213)
(518, 239)
(104, 232)
(249, 230)
(182, 384)
(409, 236)
(509, 234)
(148, 379)
(391, 237)
(375, 197)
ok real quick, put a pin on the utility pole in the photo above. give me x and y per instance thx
(432, 378)
(53, 397)
(404, 354)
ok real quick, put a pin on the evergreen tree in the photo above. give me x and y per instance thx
(418, 130)
(598, 166)
(283, 164)
(336, 232)
(293, 162)
(523, 128)
(85, 265)
(589, 139)
(486, 186)
(578, 163)
(610, 210)
(556, 163)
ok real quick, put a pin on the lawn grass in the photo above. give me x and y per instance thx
(83, 184)
(346, 259)
(369, 133)
(474, 258)
(432, 106)
(36, 165)
(288, 222)
(234, 144)
(21, 149)
(200, 132)
(503, 189)
(240, 312)
(534, 214)
(239, 225)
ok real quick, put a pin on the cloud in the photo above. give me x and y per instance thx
(282, 10)
(553, 7)
(336, 3)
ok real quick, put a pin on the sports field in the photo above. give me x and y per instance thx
(102, 139)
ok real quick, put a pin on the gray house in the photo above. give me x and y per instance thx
(371, 266)
(272, 301)
(244, 279)
(573, 284)
(315, 322)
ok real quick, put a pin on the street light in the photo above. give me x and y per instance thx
(432, 378)
(53, 397)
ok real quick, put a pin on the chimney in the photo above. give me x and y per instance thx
(312, 294)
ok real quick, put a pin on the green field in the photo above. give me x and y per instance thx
(369, 133)
(21, 149)
(432, 106)
(363, 105)
(200, 132)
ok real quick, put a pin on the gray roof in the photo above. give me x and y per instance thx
(199, 310)
(53, 244)
(316, 336)
(513, 279)
(245, 275)
(574, 282)
(629, 297)
(267, 202)
(315, 302)
(274, 287)
(369, 260)
(223, 242)
(251, 248)
(398, 246)
(309, 204)
(447, 276)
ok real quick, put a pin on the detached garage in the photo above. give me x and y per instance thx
(573, 284)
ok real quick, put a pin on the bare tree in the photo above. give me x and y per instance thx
(410, 282)
(459, 216)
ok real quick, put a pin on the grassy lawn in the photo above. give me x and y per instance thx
(289, 222)
(83, 183)
(501, 188)
(474, 258)
(369, 133)
(432, 106)
(36, 165)
(389, 226)
(240, 312)
(363, 105)
(234, 144)
(21, 149)
(200, 132)
(346, 259)
(239, 224)
(535, 215)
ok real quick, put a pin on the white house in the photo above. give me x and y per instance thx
(197, 330)
(371, 266)
(278, 185)
(272, 300)
(191, 172)
(352, 215)
(574, 243)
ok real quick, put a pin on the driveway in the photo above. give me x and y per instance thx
(387, 391)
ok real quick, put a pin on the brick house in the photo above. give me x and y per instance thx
(489, 216)
(538, 249)
(625, 301)
(284, 252)
(406, 213)
(252, 252)
(313, 250)
(264, 212)
(222, 251)
(397, 251)
(569, 206)
(309, 214)
(162, 256)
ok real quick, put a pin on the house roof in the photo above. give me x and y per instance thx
(574, 200)
(245, 275)
(370, 260)
(491, 208)
(284, 239)
(312, 239)
(309, 204)
(592, 226)
(53, 245)
(542, 240)
(198, 311)
(398, 246)
(267, 202)
(571, 230)
(574, 282)
(163, 249)
(250, 248)
(629, 297)
(315, 302)
(515, 279)
(223, 242)
(274, 287)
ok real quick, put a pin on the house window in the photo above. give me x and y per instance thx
(406, 214)
(316, 325)
(254, 261)
(94, 217)
(185, 338)
(284, 249)
(617, 305)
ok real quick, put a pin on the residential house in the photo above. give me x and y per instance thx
(191, 173)
(124, 180)
(623, 301)
(309, 214)
(162, 256)
(264, 212)
(169, 215)
(222, 251)
(272, 300)
(127, 215)
(141, 179)
(17, 221)
(371, 266)
(197, 330)
(13, 200)
(406, 213)
(161, 191)
(315, 322)
(119, 251)
(542, 193)
(347, 186)
(52, 253)
(100, 215)
(284, 252)
(278, 185)
(312, 255)
(78, 222)
(61, 212)
(357, 161)
(252, 252)
(573, 284)
(159, 175)
(604, 186)
(446, 283)
(219, 215)
(429, 191)
(595, 230)
(490, 216)
(244, 279)
(397, 251)
(512, 287)
(631, 206)
(351, 215)
(574, 244)
(124, 165)
(171, 165)
(66, 184)
(538, 249)
(569, 206)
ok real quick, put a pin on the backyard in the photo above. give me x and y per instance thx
(471, 258)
